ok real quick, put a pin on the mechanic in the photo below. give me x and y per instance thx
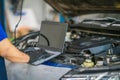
(9, 52)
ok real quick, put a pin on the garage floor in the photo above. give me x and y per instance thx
(27, 72)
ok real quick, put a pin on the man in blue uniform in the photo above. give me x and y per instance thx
(8, 51)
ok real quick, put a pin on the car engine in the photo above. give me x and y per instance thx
(96, 54)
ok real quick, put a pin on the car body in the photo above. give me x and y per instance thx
(94, 45)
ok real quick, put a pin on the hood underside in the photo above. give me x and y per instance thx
(78, 7)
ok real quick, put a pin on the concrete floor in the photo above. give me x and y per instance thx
(22, 71)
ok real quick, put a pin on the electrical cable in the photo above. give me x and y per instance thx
(30, 36)
(48, 42)
(36, 33)
(19, 20)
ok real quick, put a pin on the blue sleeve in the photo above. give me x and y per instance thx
(2, 33)
(3, 74)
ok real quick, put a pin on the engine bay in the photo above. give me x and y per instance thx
(91, 51)
(96, 54)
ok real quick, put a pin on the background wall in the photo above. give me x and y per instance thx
(41, 9)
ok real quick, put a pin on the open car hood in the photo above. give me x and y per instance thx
(78, 7)
(71, 8)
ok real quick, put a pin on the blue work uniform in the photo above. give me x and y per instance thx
(3, 75)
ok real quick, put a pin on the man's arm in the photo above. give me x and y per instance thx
(8, 51)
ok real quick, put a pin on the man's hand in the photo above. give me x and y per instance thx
(34, 54)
